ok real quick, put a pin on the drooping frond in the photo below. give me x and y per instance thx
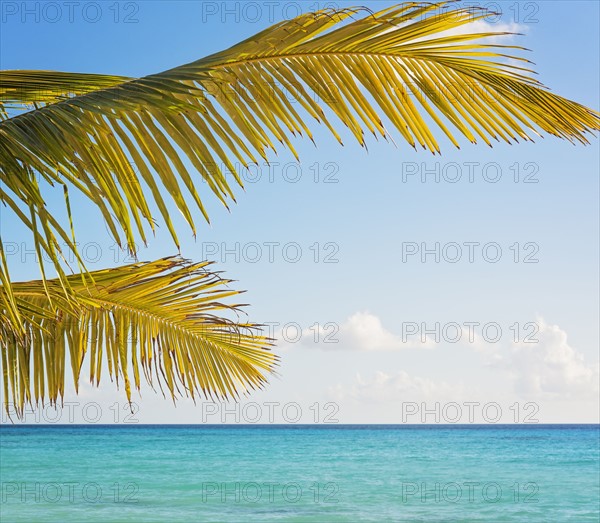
(159, 319)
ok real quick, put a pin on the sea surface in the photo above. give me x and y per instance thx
(352, 473)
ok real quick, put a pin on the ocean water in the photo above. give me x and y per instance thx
(335, 473)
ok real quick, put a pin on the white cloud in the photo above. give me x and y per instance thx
(546, 368)
(362, 331)
(550, 367)
(400, 386)
(481, 26)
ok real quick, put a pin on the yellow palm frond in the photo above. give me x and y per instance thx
(160, 319)
(123, 146)
(23, 89)
(131, 145)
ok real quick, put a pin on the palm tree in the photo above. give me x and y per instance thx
(122, 142)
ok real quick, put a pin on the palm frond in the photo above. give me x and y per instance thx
(160, 319)
(400, 63)
(21, 89)
(124, 146)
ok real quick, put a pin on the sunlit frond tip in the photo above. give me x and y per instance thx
(157, 318)
(424, 66)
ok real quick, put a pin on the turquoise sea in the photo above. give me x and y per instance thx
(532, 473)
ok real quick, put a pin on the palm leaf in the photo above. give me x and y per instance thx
(122, 143)
(24, 89)
(159, 319)
(122, 146)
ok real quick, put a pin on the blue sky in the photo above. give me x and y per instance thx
(366, 210)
